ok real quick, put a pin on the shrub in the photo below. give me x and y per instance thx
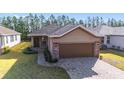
(6, 50)
(113, 46)
(54, 60)
(122, 49)
(100, 57)
(103, 47)
(48, 56)
(118, 47)
(28, 50)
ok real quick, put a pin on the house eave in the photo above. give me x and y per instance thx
(30, 35)
(10, 34)
(74, 29)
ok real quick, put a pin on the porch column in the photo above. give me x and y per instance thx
(56, 50)
(40, 42)
(32, 41)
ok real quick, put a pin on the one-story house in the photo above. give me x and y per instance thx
(113, 37)
(67, 41)
(8, 37)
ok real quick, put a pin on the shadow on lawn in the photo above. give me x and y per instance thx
(26, 68)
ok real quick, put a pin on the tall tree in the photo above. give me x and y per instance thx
(101, 21)
(14, 22)
(93, 22)
(73, 21)
(42, 20)
(31, 22)
(89, 22)
(97, 21)
(4, 22)
(52, 19)
(81, 22)
(109, 22)
(36, 23)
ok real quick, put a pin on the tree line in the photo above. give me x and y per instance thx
(34, 22)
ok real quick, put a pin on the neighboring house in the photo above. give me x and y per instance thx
(8, 37)
(67, 41)
(113, 36)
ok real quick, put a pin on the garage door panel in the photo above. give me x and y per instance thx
(76, 50)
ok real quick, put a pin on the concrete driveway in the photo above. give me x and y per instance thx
(90, 67)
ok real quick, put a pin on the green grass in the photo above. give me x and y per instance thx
(16, 65)
(114, 57)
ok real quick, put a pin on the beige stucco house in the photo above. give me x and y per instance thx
(67, 41)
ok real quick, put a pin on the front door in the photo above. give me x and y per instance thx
(36, 42)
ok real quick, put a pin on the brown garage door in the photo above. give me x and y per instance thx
(76, 50)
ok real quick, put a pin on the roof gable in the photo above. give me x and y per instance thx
(77, 36)
(71, 28)
(7, 31)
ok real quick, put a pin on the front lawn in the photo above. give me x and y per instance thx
(16, 65)
(113, 57)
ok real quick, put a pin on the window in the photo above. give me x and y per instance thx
(1, 41)
(102, 40)
(12, 38)
(108, 39)
(6, 39)
(16, 37)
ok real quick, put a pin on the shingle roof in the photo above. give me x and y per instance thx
(6, 31)
(47, 30)
(107, 30)
(64, 29)
(54, 30)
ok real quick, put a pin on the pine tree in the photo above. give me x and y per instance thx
(89, 22)
(81, 22)
(42, 21)
(109, 22)
(14, 22)
(73, 21)
(52, 19)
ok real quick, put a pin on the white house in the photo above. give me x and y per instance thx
(9, 37)
(113, 37)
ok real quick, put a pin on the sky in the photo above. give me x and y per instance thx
(77, 16)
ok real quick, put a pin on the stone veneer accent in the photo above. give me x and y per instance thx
(96, 49)
(56, 50)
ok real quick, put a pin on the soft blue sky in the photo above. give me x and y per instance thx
(75, 15)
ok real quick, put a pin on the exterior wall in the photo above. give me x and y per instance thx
(117, 41)
(105, 42)
(77, 36)
(10, 44)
